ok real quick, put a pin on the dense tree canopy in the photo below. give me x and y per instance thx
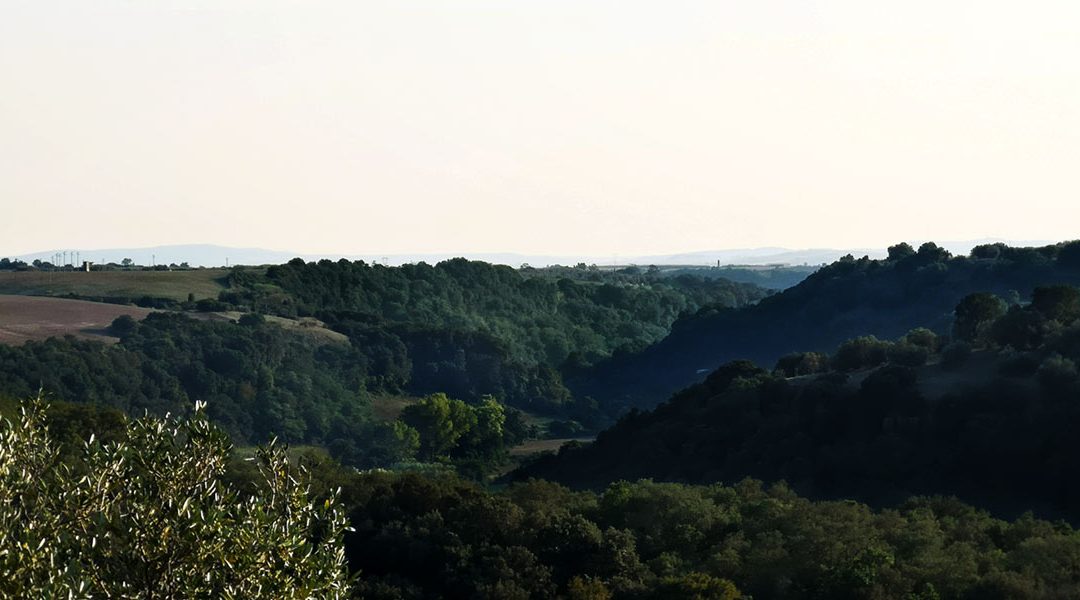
(418, 537)
(259, 381)
(542, 317)
(890, 420)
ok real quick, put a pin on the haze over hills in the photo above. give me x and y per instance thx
(539, 300)
(212, 255)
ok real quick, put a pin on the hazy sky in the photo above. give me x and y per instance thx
(542, 126)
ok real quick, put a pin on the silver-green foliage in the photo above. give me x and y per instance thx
(152, 517)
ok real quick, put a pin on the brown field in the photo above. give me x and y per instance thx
(25, 318)
(203, 283)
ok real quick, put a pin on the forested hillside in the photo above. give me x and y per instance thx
(778, 277)
(258, 379)
(990, 417)
(422, 538)
(541, 316)
(851, 297)
(471, 331)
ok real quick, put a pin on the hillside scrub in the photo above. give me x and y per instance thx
(850, 298)
(886, 420)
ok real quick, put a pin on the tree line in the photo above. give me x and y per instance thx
(544, 317)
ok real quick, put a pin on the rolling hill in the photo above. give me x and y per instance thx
(848, 298)
(878, 423)
(174, 285)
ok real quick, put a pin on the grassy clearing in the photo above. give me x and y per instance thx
(294, 452)
(541, 422)
(203, 283)
(530, 447)
(520, 454)
(304, 325)
(388, 408)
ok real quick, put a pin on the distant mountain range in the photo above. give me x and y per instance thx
(209, 255)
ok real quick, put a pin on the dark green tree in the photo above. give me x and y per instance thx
(1069, 254)
(1060, 303)
(860, 353)
(974, 315)
(123, 325)
(900, 251)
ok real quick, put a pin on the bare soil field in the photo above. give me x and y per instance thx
(203, 283)
(25, 318)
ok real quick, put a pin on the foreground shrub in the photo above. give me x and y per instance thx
(151, 517)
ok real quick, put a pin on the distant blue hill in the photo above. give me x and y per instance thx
(210, 255)
(196, 255)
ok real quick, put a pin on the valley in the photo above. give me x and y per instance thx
(603, 399)
(555, 300)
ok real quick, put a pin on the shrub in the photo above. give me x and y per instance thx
(1058, 302)
(252, 319)
(123, 325)
(1024, 364)
(151, 516)
(975, 314)
(1057, 374)
(564, 429)
(1069, 255)
(1020, 328)
(860, 353)
(802, 363)
(908, 355)
(210, 305)
(955, 355)
(922, 337)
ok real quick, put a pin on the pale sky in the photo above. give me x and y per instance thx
(536, 126)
